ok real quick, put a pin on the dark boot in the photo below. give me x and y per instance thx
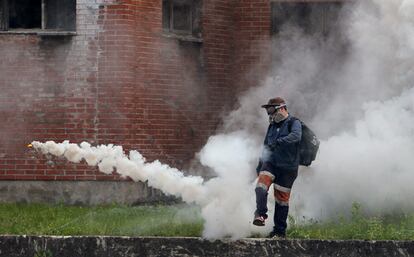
(276, 235)
(260, 214)
(280, 219)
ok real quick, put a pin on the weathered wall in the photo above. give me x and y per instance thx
(49, 91)
(119, 80)
(20, 246)
(122, 80)
(80, 192)
(252, 56)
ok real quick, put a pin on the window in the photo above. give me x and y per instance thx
(58, 15)
(25, 14)
(311, 17)
(182, 17)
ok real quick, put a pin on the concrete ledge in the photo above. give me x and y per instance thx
(49, 246)
(80, 192)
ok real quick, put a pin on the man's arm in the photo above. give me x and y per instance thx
(264, 152)
(293, 137)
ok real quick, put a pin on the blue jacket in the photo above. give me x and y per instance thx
(281, 144)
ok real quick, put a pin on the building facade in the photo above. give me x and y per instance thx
(152, 75)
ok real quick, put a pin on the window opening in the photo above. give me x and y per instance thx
(38, 14)
(4, 15)
(182, 17)
(60, 14)
(25, 14)
(310, 17)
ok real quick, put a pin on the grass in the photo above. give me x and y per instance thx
(358, 226)
(181, 220)
(41, 219)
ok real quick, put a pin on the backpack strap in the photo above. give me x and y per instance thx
(290, 122)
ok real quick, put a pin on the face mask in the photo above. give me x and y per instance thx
(271, 119)
(278, 117)
(274, 114)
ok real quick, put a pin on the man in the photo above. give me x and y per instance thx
(278, 165)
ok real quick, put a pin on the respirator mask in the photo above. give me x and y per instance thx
(274, 114)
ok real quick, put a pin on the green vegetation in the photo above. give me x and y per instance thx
(358, 226)
(41, 219)
(43, 253)
(180, 220)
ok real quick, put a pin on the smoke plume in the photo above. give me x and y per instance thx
(354, 89)
(365, 118)
(357, 95)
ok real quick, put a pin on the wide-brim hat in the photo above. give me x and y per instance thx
(276, 102)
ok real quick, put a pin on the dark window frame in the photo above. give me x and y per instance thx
(305, 22)
(193, 18)
(4, 15)
(65, 25)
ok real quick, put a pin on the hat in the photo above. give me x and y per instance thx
(278, 101)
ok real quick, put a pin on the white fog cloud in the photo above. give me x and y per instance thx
(360, 101)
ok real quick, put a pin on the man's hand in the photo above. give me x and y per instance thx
(274, 146)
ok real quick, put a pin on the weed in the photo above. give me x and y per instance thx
(43, 253)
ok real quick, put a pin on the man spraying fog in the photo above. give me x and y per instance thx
(278, 165)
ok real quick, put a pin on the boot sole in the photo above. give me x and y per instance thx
(258, 223)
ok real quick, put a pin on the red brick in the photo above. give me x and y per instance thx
(121, 81)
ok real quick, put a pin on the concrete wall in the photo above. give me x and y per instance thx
(21, 246)
(80, 192)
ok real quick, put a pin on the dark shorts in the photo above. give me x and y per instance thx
(283, 177)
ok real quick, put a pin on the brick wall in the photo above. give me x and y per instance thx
(121, 80)
(168, 92)
(253, 45)
(49, 92)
